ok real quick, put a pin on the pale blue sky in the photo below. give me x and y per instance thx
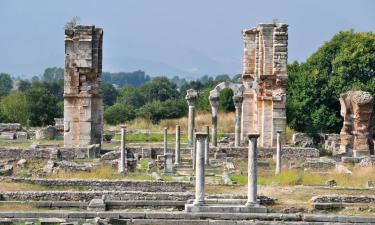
(168, 37)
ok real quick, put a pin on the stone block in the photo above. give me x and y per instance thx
(7, 135)
(97, 205)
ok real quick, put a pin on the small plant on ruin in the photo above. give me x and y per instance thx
(72, 23)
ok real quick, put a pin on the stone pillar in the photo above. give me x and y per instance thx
(177, 150)
(199, 171)
(194, 150)
(252, 171)
(207, 148)
(237, 129)
(168, 163)
(278, 153)
(83, 108)
(214, 101)
(165, 140)
(122, 163)
(191, 98)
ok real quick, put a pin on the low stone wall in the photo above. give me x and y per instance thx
(52, 152)
(297, 153)
(117, 185)
(343, 199)
(46, 153)
(86, 196)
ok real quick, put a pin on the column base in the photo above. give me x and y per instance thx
(225, 208)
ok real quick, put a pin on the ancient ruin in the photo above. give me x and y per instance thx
(356, 133)
(82, 100)
(264, 62)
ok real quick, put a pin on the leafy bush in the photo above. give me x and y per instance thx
(156, 110)
(118, 113)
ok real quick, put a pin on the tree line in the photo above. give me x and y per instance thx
(346, 62)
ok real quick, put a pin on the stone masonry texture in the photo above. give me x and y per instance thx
(265, 62)
(82, 99)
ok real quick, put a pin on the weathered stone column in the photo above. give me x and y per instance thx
(191, 98)
(214, 101)
(194, 150)
(165, 140)
(207, 148)
(237, 129)
(177, 149)
(122, 163)
(278, 153)
(252, 170)
(199, 171)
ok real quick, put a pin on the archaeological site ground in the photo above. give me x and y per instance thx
(247, 166)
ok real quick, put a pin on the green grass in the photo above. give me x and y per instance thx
(101, 172)
(287, 178)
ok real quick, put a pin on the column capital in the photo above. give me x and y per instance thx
(237, 100)
(191, 97)
(214, 101)
(253, 135)
(201, 135)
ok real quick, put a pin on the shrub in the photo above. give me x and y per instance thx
(118, 113)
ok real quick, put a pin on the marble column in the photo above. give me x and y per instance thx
(199, 170)
(122, 163)
(191, 98)
(278, 153)
(214, 101)
(252, 170)
(237, 129)
(177, 149)
(207, 148)
(165, 140)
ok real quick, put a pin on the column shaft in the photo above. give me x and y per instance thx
(199, 170)
(165, 140)
(252, 170)
(278, 153)
(237, 128)
(177, 150)
(191, 124)
(214, 125)
(122, 163)
(207, 148)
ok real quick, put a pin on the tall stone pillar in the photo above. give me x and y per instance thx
(265, 64)
(177, 150)
(252, 171)
(165, 140)
(237, 129)
(199, 170)
(194, 150)
(214, 101)
(278, 153)
(207, 148)
(83, 123)
(191, 98)
(123, 153)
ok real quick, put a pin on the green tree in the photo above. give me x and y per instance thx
(14, 107)
(53, 74)
(344, 63)
(159, 89)
(118, 113)
(42, 106)
(156, 110)
(6, 84)
(226, 100)
(109, 93)
(24, 85)
(131, 96)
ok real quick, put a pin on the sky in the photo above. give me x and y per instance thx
(187, 38)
